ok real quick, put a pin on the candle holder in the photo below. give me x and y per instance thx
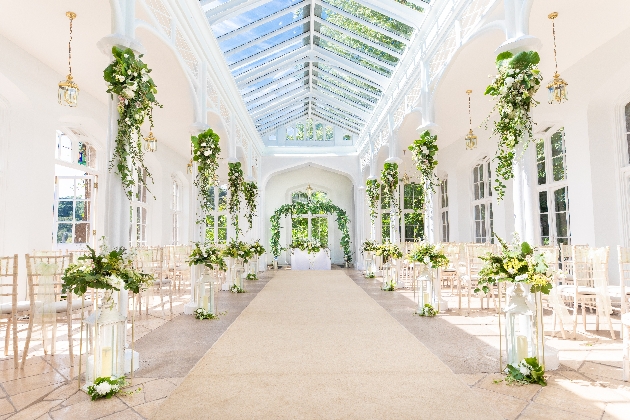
(423, 278)
(205, 292)
(520, 330)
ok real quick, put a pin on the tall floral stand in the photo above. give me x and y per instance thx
(229, 274)
(205, 291)
(423, 285)
(239, 272)
(107, 330)
(368, 261)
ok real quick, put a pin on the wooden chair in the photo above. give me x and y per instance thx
(47, 301)
(621, 294)
(11, 310)
(449, 275)
(474, 264)
(151, 261)
(178, 268)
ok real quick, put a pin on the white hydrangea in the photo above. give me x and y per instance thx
(103, 388)
(524, 369)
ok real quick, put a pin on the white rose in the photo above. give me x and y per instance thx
(503, 90)
(120, 77)
(206, 153)
(509, 81)
(524, 370)
(103, 388)
(126, 55)
(145, 77)
(129, 93)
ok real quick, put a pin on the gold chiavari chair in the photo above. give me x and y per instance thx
(151, 261)
(474, 264)
(11, 309)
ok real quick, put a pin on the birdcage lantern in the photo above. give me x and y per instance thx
(205, 291)
(520, 330)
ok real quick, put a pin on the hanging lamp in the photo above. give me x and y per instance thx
(68, 91)
(471, 139)
(309, 191)
(150, 143)
(557, 87)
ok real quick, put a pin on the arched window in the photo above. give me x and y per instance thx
(482, 202)
(310, 226)
(553, 202)
(176, 209)
(216, 220)
(87, 155)
(308, 130)
(299, 131)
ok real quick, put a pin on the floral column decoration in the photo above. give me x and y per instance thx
(128, 78)
(389, 178)
(250, 193)
(423, 152)
(235, 186)
(513, 89)
(373, 191)
(206, 152)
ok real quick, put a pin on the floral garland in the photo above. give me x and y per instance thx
(513, 89)
(128, 78)
(206, 152)
(515, 262)
(257, 249)
(109, 270)
(235, 184)
(423, 151)
(250, 193)
(428, 254)
(389, 178)
(369, 246)
(314, 206)
(373, 191)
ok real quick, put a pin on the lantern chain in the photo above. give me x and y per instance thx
(70, 47)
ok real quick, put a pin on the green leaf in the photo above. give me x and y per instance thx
(504, 56)
(526, 249)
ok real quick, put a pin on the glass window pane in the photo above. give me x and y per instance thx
(544, 229)
(299, 228)
(385, 220)
(210, 229)
(83, 187)
(319, 230)
(66, 188)
(64, 233)
(81, 233)
(82, 211)
(65, 210)
(414, 226)
(558, 168)
(543, 205)
(223, 198)
(222, 230)
(628, 118)
(560, 199)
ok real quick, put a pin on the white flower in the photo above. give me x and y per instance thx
(129, 72)
(524, 369)
(145, 77)
(103, 388)
(503, 90)
(126, 55)
(206, 153)
(120, 77)
(521, 277)
(509, 81)
(133, 87)
(129, 93)
(203, 144)
(426, 259)
(127, 121)
(116, 282)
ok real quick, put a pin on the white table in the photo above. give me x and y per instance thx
(302, 260)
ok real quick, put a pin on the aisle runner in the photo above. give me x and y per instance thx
(315, 345)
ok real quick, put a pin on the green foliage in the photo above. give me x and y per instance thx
(513, 89)
(251, 276)
(257, 249)
(312, 247)
(369, 246)
(235, 185)
(389, 179)
(317, 205)
(105, 387)
(423, 152)
(515, 262)
(239, 250)
(201, 313)
(128, 78)
(206, 152)
(109, 270)
(429, 254)
(208, 255)
(389, 251)
(427, 310)
(390, 286)
(373, 191)
(527, 371)
(250, 193)
(369, 275)
(236, 289)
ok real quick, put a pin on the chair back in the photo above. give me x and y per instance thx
(44, 274)
(566, 259)
(473, 261)
(151, 260)
(452, 251)
(9, 280)
(624, 276)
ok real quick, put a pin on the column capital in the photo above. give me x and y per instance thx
(520, 44)
(106, 43)
(197, 128)
(433, 128)
(372, 177)
(396, 160)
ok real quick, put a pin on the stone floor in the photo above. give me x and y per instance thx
(587, 385)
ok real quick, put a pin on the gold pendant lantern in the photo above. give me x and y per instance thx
(150, 143)
(557, 87)
(68, 91)
(471, 139)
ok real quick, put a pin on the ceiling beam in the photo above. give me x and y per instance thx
(345, 91)
(289, 109)
(279, 93)
(269, 51)
(279, 63)
(327, 57)
(362, 112)
(334, 121)
(324, 101)
(365, 56)
(264, 38)
(340, 118)
(262, 109)
(345, 82)
(283, 119)
(263, 21)
(395, 10)
(275, 84)
(232, 8)
(359, 37)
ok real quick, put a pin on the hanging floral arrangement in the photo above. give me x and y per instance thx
(389, 178)
(423, 152)
(250, 193)
(206, 152)
(373, 191)
(235, 184)
(513, 89)
(128, 78)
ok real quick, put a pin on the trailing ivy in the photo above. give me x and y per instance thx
(250, 193)
(423, 152)
(373, 191)
(513, 89)
(206, 152)
(317, 206)
(128, 78)
(389, 178)
(235, 184)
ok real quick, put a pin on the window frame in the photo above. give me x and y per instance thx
(218, 215)
(445, 231)
(486, 199)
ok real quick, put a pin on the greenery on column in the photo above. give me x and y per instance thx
(128, 78)
(206, 152)
(373, 192)
(423, 152)
(235, 185)
(250, 193)
(513, 89)
(389, 178)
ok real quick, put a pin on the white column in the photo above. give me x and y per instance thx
(372, 177)
(360, 225)
(394, 220)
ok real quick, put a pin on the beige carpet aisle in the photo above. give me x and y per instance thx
(314, 345)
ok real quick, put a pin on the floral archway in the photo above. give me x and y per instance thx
(313, 206)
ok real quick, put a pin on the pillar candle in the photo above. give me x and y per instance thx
(521, 348)
(106, 361)
(204, 303)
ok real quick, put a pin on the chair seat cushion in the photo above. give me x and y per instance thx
(616, 291)
(22, 306)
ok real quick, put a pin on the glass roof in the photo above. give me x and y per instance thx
(330, 59)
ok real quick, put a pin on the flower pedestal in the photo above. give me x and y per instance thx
(388, 276)
(368, 261)
(520, 331)
(239, 272)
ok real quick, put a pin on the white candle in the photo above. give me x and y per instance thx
(521, 348)
(425, 298)
(204, 303)
(106, 361)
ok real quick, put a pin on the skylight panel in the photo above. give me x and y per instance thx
(265, 9)
(362, 30)
(411, 5)
(326, 87)
(370, 15)
(295, 71)
(355, 58)
(280, 87)
(257, 47)
(271, 56)
(356, 44)
(345, 86)
(345, 114)
(355, 81)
